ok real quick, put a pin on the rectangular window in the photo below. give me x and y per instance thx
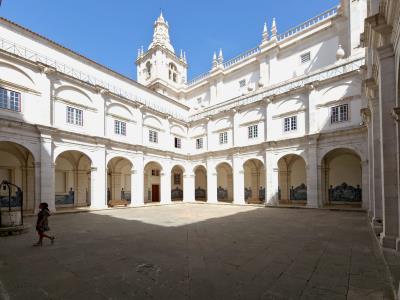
(119, 127)
(242, 83)
(10, 100)
(252, 131)
(223, 138)
(306, 57)
(74, 116)
(290, 124)
(178, 143)
(155, 173)
(177, 178)
(340, 113)
(153, 136)
(199, 143)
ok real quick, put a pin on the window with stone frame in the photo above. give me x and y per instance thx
(153, 136)
(223, 137)
(10, 100)
(74, 116)
(339, 113)
(172, 72)
(119, 127)
(290, 124)
(252, 131)
(177, 143)
(199, 143)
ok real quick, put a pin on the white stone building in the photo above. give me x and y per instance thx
(279, 123)
(381, 87)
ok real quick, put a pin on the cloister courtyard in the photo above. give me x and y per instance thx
(197, 251)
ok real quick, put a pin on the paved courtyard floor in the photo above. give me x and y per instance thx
(195, 251)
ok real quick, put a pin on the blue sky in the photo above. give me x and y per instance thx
(110, 32)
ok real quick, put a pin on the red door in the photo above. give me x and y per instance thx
(155, 193)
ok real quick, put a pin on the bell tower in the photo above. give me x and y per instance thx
(159, 68)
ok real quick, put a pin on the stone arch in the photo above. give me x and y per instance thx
(224, 181)
(200, 182)
(292, 179)
(124, 110)
(254, 180)
(341, 172)
(61, 149)
(32, 148)
(152, 121)
(177, 173)
(72, 179)
(74, 94)
(152, 181)
(110, 156)
(17, 165)
(17, 74)
(119, 172)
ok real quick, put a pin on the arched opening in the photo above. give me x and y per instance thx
(119, 171)
(72, 179)
(224, 183)
(292, 180)
(152, 182)
(254, 181)
(17, 165)
(148, 70)
(200, 183)
(342, 177)
(172, 72)
(177, 183)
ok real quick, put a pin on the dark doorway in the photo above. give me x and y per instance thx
(155, 193)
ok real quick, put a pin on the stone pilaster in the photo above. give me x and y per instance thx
(387, 100)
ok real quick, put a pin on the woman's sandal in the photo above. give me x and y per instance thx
(52, 239)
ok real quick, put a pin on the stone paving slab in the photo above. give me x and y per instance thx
(198, 252)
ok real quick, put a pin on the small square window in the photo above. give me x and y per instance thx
(74, 116)
(177, 143)
(223, 138)
(155, 173)
(290, 124)
(119, 127)
(242, 83)
(10, 100)
(252, 131)
(306, 57)
(153, 136)
(199, 143)
(340, 113)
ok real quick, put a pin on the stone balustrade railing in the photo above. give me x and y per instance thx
(241, 57)
(249, 53)
(303, 26)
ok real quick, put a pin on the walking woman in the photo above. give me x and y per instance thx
(42, 224)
